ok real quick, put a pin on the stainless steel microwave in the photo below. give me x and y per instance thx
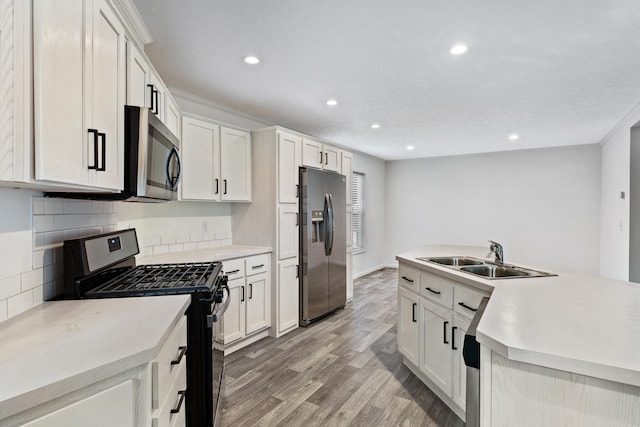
(152, 167)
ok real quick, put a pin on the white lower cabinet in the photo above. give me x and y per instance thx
(287, 298)
(248, 317)
(432, 339)
(108, 408)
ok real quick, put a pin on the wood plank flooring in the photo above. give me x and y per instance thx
(342, 371)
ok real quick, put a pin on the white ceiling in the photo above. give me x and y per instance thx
(557, 72)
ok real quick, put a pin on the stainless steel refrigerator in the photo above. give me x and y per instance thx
(323, 247)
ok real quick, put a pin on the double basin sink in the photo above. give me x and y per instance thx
(484, 268)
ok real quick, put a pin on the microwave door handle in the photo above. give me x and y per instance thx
(173, 179)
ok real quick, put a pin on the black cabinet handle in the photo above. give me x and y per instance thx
(183, 350)
(95, 149)
(453, 338)
(407, 279)
(413, 314)
(242, 299)
(461, 304)
(321, 157)
(257, 266)
(297, 271)
(326, 158)
(250, 290)
(444, 332)
(104, 152)
(432, 291)
(224, 182)
(232, 272)
(217, 186)
(297, 219)
(156, 94)
(181, 393)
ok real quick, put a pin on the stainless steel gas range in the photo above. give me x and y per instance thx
(104, 266)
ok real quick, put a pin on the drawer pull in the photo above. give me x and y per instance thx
(233, 272)
(183, 350)
(432, 291)
(181, 393)
(444, 332)
(257, 266)
(407, 279)
(413, 313)
(461, 304)
(453, 338)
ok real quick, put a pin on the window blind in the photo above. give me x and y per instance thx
(357, 189)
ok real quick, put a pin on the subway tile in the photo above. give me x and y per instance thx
(196, 237)
(215, 243)
(209, 236)
(38, 240)
(203, 245)
(38, 295)
(144, 251)
(109, 228)
(48, 291)
(53, 206)
(182, 238)
(32, 279)
(37, 205)
(78, 206)
(9, 287)
(72, 221)
(190, 246)
(19, 303)
(3, 310)
(97, 207)
(58, 254)
(150, 241)
(43, 223)
(167, 240)
(53, 272)
(54, 239)
(81, 232)
(162, 249)
(42, 258)
(225, 242)
(178, 247)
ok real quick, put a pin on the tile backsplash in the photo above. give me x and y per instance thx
(55, 220)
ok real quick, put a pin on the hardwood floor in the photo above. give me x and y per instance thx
(342, 371)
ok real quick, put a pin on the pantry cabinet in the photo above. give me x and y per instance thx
(217, 162)
(79, 93)
(321, 156)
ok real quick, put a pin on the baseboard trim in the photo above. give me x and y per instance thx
(371, 270)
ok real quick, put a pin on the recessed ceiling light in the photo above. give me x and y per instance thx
(458, 49)
(410, 147)
(375, 126)
(332, 102)
(252, 60)
(514, 137)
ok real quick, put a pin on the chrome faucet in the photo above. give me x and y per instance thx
(496, 249)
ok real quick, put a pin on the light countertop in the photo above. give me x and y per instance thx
(61, 346)
(204, 255)
(575, 323)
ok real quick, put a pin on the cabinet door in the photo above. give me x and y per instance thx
(408, 334)
(235, 164)
(460, 327)
(233, 321)
(200, 148)
(172, 115)
(288, 299)
(138, 77)
(331, 158)
(312, 153)
(435, 344)
(347, 170)
(289, 160)
(111, 407)
(258, 303)
(58, 55)
(287, 232)
(105, 93)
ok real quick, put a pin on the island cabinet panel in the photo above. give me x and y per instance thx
(435, 339)
(408, 331)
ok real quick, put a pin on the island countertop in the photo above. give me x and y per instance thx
(575, 323)
(61, 346)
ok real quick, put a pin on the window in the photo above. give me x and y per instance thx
(357, 189)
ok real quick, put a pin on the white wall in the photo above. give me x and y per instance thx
(374, 196)
(634, 206)
(542, 205)
(616, 175)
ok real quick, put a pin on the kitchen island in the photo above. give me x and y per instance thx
(559, 350)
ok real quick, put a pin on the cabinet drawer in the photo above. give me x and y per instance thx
(409, 278)
(233, 268)
(467, 300)
(437, 289)
(175, 401)
(171, 359)
(258, 264)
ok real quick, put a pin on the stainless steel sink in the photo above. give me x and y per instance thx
(454, 261)
(485, 268)
(494, 271)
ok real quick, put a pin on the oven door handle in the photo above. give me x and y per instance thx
(214, 317)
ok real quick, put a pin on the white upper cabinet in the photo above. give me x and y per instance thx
(347, 170)
(172, 115)
(79, 93)
(235, 164)
(289, 159)
(216, 162)
(318, 155)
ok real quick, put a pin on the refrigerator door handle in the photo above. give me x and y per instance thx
(329, 225)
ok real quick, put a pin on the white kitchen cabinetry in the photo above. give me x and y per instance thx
(248, 316)
(79, 93)
(216, 160)
(287, 302)
(431, 340)
(347, 171)
(321, 156)
(289, 159)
